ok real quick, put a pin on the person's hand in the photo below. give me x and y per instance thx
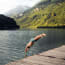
(43, 34)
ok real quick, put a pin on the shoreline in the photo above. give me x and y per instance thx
(51, 27)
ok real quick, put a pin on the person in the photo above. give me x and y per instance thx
(32, 41)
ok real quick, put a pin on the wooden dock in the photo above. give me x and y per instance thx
(55, 56)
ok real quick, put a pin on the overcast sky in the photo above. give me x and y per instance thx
(6, 5)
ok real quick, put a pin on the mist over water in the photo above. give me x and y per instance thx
(12, 43)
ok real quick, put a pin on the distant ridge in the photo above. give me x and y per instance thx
(7, 23)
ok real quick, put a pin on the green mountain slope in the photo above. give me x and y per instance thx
(49, 15)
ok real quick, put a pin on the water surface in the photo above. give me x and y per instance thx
(12, 43)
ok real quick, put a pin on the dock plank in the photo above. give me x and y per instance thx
(54, 56)
(42, 59)
(61, 49)
(55, 53)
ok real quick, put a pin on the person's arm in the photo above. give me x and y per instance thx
(39, 36)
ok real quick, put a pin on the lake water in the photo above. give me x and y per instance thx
(12, 43)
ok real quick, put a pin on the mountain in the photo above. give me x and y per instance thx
(46, 14)
(19, 10)
(7, 23)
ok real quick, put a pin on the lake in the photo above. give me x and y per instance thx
(12, 43)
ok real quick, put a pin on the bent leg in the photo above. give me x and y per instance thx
(28, 47)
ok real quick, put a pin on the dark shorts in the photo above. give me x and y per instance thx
(32, 40)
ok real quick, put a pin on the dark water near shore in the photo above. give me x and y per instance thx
(12, 43)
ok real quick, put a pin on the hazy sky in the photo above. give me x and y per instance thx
(6, 5)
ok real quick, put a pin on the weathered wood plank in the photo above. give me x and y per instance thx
(51, 57)
(55, 53)
(46, 60)
(36, 61)
(61, 49)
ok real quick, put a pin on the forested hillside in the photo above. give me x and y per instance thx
(47, 13)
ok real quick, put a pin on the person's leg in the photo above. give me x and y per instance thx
(28, 47)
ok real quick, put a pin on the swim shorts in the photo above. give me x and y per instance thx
(32, 40)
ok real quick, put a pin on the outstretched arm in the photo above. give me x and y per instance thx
(40, 36)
